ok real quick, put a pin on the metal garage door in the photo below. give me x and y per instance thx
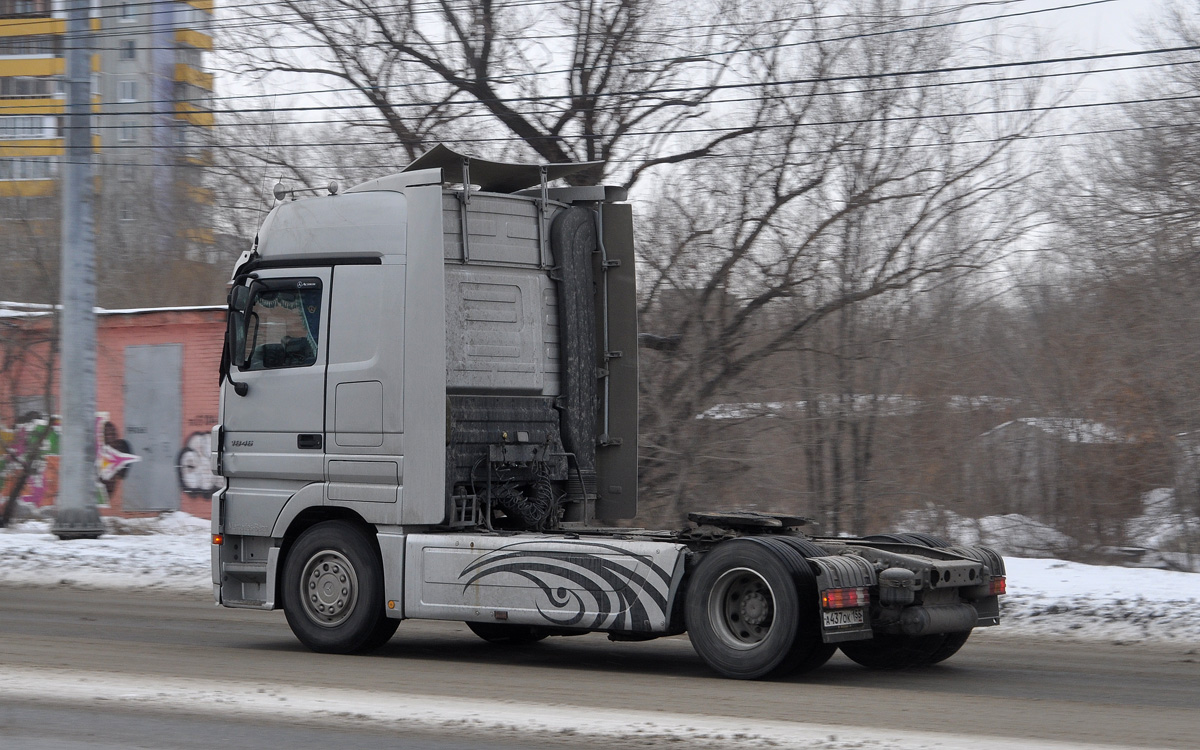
(153, 425)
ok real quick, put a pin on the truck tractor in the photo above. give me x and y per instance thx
(429, 409)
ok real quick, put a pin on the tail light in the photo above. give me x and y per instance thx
(845, 598)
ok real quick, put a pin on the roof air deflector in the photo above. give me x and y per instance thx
(492, 176)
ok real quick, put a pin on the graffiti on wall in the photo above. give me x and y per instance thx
(113, 458)
(19, 440)
(195, 474)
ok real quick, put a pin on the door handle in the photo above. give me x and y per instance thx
(308, 441)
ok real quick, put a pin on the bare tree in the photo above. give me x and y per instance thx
(582, 80)
(29, 228)
(861, 195)
(1129, 216)
(806, 162)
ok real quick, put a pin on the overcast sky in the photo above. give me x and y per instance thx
(1108, 27)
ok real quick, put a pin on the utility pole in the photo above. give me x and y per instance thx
(77, 516)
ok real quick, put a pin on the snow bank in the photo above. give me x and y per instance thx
(171, 552)
(1010, 534)
(1045, 596)
(1053, 597)
(1161, 531)
(473, 720)
(1162, 524)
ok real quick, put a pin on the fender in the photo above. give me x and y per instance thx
(309, 496)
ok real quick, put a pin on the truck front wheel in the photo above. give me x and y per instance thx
(333, 590)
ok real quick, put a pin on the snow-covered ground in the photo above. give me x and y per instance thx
(1045, 596)
(473, 716)
(1161, 528)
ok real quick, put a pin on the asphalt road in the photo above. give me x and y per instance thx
(998, 685)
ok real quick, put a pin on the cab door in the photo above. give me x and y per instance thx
(274, 432)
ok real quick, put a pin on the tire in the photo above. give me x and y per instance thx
(745, 615)
(950, 646)
(815, 652)
(383, 632)
(333, 590)
(924, 540)
(929, 540)
(503, 633)
(888, 651)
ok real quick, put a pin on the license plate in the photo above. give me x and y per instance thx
(841, 618)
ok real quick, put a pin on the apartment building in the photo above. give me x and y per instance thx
(152, 99)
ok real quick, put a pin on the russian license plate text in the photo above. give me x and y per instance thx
(840, 618)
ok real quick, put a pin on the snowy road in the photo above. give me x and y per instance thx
(124, 626)
(1045, 597)
(156, 654)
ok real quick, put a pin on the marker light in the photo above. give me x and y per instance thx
(845, 598)
(998, 585)
(218, 539)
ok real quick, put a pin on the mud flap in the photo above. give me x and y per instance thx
(842, 572)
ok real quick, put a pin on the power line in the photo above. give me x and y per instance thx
(435, 8)
(382, 123)
(721, 53)
(757, 154)
(688, 131)
(682, 89)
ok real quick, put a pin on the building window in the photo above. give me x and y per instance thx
(125, 172)
(128, 131)
(42, 44)
(125, 211)
(27, 87)
(128, 49)
(17, 8)
(125, 12)
(27, 168)
(190, 56)
(21, 128)
(127, 91)
(190, 17)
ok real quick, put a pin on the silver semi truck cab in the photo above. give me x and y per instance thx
(429, 410)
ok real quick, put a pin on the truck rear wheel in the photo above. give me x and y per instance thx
(949, 647)
(504, 633)
(745, 614)
(889, 651)
(925, 540)
(333, 590)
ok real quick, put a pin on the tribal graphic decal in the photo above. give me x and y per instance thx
(618, 588)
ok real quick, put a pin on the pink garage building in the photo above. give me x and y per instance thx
(156, 403)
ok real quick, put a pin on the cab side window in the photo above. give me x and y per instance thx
(283, 326)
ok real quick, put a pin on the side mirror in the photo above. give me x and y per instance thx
(235, 335)
(239, 298)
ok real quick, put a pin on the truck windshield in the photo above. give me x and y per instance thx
(283, 327)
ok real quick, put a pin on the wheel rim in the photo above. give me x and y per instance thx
(329, 588)
(741, 608)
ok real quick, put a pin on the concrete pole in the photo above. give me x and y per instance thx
(78, 517)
